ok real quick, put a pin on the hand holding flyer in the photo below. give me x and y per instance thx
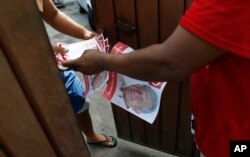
(138, 97)
(92, 82)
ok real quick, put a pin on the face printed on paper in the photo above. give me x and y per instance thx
(140, 98)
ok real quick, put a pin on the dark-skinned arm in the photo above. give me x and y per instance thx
(173, 60)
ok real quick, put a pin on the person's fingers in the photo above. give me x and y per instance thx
(89, 35)
(59, 49)
(95, 34)
(62, 50)
(89, 63)
(71, 64)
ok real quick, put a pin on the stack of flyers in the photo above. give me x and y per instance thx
(91, 82)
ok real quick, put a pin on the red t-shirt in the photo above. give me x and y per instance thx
(220, 100)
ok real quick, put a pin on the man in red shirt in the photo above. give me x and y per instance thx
(211, 42)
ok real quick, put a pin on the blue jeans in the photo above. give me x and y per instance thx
(74, 89)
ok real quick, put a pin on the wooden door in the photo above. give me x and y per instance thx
(36, 116)
(139, 23)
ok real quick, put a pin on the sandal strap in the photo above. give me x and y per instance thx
(110, 139)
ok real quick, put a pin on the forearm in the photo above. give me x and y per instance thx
(62, 22)
(144, 64)
(174, 60)
(65, 25)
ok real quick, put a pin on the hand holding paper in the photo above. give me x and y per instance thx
(79, 53)
(138, 97)
(89, 63)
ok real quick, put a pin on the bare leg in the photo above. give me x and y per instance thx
(85, 124)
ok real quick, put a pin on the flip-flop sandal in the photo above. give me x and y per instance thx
(106, 143)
